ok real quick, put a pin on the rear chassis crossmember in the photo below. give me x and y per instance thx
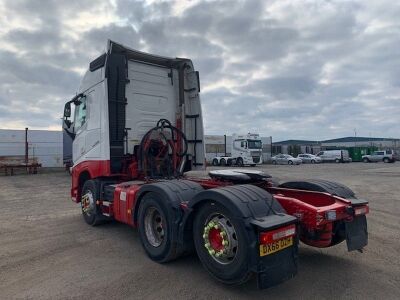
(325, 219)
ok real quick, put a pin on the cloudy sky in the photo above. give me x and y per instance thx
(290, 69)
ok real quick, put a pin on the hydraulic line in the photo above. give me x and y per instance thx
(159, 152)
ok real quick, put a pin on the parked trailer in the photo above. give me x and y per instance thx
(130, 164)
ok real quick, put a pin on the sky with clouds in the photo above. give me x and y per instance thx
(290, 69)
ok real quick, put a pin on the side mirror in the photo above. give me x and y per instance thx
(67, 110)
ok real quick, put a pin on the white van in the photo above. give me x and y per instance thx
(334, 156)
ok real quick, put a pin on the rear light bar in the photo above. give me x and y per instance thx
(363, 210)
(278, 234)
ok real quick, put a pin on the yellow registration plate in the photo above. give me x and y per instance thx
(276, 246)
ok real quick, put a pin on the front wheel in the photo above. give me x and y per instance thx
(90, 209)
(274, 162)
(313, 161)
(221, 243)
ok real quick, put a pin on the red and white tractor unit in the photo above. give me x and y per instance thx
(137, 130)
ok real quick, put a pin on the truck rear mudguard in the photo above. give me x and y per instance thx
(270, 233)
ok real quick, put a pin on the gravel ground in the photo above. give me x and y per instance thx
(48, 252)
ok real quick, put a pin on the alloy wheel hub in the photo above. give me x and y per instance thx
(220, 239)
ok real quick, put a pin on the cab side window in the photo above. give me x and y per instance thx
(80, 114)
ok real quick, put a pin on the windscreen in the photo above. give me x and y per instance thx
(254, 144)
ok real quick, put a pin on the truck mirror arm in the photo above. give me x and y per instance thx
(67, 113)
(70, 133)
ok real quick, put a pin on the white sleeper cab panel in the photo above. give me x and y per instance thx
(151, 96)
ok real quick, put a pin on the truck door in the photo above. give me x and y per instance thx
(80, 124)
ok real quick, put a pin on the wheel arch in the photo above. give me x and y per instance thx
(83, 176)
(174, 191)
(247, 202)
(319, 185)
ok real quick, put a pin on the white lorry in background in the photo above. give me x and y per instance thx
(246, 150)
(335, 156)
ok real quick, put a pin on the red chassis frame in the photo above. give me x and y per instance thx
(318, 212)
(314, 210)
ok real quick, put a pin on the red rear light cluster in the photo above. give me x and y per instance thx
(363, 210)
(277, 234)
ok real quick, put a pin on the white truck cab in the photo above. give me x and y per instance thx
(246, 150)
(121, 97)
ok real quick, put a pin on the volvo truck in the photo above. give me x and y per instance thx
(137, 129)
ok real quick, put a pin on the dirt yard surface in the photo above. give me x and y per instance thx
(48, 252)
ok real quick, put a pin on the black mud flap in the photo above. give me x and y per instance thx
(356, 233)
(275, 268)
(278, 267)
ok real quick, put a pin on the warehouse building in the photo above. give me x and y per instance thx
(295, 147)
(357, 146)
(48, 147)
(44, 146)
(380, 143)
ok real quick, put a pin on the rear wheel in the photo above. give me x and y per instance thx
(239, 161)
(313, 161)
(366, 160)
(221, 244)
(274, 162)
(290, 162)
(386, 160)
(155, 228)
(215, 162)
(222, 162)
(337, 160)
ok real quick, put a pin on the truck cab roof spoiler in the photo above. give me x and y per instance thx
(131, 54)
(113, 47)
